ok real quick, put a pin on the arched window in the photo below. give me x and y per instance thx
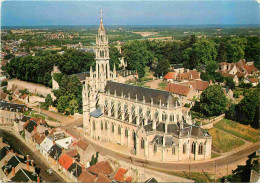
(133, 135)
(156, 115)
(126, 132)
(171, 117)
(201, 148)
(155, 148)
(184, 148)
(173, 150)
(142, 143)
(178, 118)
(102, 126)
(112, 109)
(119, 115)
(133, 114)
(106, 107)
(148, 113)
(126, 113)
(119, 130)
(94, 126)
(193, 148)
(164, 116)
(113, 128)
(106, 127)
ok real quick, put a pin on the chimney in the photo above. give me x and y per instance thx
(53, 141)
(13, 171)
(28, 159)
(35, 129)
(27, 164)
(38, 179)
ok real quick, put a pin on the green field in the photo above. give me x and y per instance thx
(245, 132)
(224, 142)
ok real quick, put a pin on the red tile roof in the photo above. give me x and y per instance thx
(72, 153)
(102, 178)
(178, 89)
(253, 80)
(119, 176)
(169, 75)
(102, 167)
(86, 176)
(195, 74)
(82, 144)
(65, 161)
(128, 179)
(199, 85)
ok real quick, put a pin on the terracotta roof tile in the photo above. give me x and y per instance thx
(102, 178)
(178, 89)
(86, 176)
(170, 75)
(195, 74)
(65, 161)
(102, 167)
(128, 179)
(253, 80)
(119, 176)
(72, 153)
(82, 144)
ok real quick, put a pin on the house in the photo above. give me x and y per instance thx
(54, 153)
(102, 178)
(186, 93)
(86, 176)
(75, 170)
(187, 75)
(228, 93)
(151, 180)
(24, 175)
(9, 112)
(198, 85)
(29, 127)
(120, 175)
(101, 167)
(45, 146)
(253, 81)
(38, 138)
(85, 150)
(65, 162)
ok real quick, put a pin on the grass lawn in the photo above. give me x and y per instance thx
(214, 155)
(245, 132)
(163, 85)
(224, 142)
(197, 176)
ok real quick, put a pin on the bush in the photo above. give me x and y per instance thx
(236, 94)
(187, 105)
(4, 83)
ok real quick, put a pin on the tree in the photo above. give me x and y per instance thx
(192, 40)
(222, 54)
(235, 49)
(114, 58)
(48, 100)
(230, 83)
(162, 67)
(213, 102)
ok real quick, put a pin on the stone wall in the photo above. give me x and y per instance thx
(211, 122)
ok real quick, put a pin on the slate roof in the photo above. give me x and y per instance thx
(151, 180)
(140, 92)
(96, 113)
(13, 162)
(55, 151)
(76, 169)
(25, 118)
(86, 176)
(3, 152)
(24, 176)
(30, 126)
(12, 106)
(174, 129)
(82, 76)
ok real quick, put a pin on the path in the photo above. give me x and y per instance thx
(154, 84)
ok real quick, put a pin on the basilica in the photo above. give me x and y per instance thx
(151, 123)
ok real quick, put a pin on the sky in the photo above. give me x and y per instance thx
(174, 12)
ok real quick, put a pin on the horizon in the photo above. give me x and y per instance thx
(130, 13)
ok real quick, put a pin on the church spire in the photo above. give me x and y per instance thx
(101, 26)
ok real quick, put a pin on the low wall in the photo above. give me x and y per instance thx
(211, 122)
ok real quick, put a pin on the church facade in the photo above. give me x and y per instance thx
(151, 123)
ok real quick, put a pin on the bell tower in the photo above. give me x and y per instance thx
(102, 56)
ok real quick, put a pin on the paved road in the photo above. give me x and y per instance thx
(208, 166)
(18, 144)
